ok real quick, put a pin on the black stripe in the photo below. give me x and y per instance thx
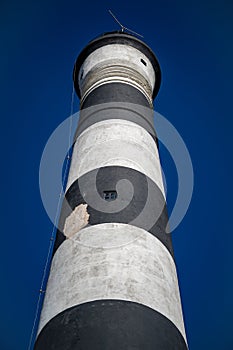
(110, 325)
(117, 38)
(125, 102)
(115, 92)
(132, 196)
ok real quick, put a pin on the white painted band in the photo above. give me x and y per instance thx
(113, 261)
(117, 61)
(115, 142)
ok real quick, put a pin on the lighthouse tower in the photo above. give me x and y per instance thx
(113, 282)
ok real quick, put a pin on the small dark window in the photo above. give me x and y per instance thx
(110, 195)
(81, 75)
(143, 62)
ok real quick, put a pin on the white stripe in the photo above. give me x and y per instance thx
(113, 261)
(114, 60)
(116, 142)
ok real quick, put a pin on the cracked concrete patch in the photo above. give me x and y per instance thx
(76, 220)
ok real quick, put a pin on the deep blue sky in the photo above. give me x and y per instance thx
(193, 42)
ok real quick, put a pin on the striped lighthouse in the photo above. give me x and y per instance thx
(113, 282)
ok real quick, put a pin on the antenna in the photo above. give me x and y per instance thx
(123, 27)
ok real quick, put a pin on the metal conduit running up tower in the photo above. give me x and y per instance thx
(113, 282)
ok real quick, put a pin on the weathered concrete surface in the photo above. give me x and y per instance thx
(118, 63)
(116, 142)
(77, 220)
(113, 261)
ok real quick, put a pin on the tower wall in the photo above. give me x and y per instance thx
(113, 282)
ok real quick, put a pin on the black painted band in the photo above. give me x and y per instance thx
(117, 38)
(110, 325)
(136, 194)
(116, 101)
(115, 92)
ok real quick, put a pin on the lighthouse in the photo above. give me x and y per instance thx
(113, 283)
